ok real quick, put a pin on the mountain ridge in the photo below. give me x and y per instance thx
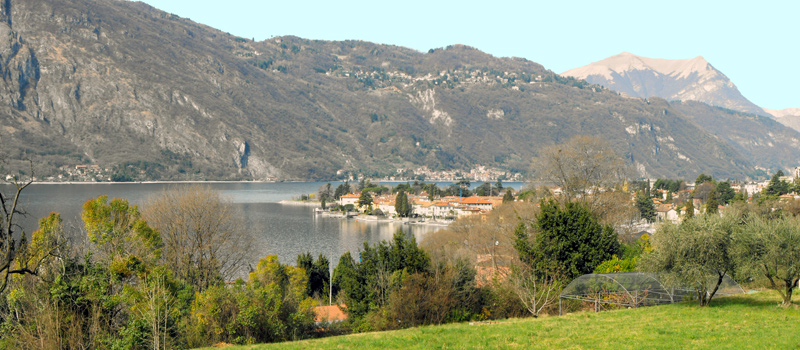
(157, 96)
(688, 79)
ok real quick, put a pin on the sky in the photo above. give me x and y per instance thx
(754, 43)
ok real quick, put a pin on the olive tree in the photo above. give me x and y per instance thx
(771, 248)
(696, 253)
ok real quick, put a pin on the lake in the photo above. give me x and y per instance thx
(283, 230)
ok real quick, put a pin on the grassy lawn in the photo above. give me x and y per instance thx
(752, 321)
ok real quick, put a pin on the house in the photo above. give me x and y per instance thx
(350, 198)
(329, 314)
(667, 212)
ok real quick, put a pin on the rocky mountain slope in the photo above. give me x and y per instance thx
(682, 80)
(789, 117)
(147, 93)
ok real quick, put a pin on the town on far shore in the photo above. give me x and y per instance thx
(427, 203)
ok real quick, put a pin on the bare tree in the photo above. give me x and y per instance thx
(583, 167)
(536, 291)
(15, 256)
(204, 238)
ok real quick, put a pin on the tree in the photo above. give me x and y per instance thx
(725, 193)
(771, 247)
(318, 273)
(536, 291)
(583, 167)
(325, 195)
(647, 208)
(689, 210)
(401, 205)
(365, 200)
(712, 206)
(568, 239)
(703, 178)
(12, 242)
(123, 238)
(776, 186)
(205, 241)
(508, 197)
(696, 253)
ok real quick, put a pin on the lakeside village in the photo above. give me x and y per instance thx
(424, 203)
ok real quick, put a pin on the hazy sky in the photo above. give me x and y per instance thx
(754, 43)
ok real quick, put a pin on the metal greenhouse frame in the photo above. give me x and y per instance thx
(633, 289)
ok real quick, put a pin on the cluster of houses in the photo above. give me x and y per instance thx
(670, 211)
(445, 207)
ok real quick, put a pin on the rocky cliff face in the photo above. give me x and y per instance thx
(683, 80)
(123, 85)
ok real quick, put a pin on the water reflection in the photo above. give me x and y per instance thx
(277, 229)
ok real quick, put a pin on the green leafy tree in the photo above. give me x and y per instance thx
(771, 248)
(703, 178)
(365, 200)
(696, 253)
(646, 207)
(567, 238)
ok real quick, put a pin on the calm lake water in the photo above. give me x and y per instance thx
(282, 230)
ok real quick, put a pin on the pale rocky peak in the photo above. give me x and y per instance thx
(626, 61)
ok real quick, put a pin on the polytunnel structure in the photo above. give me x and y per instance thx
(634, 289)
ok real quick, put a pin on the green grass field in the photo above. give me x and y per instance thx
(751, 321)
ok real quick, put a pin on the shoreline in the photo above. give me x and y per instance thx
(300, 203)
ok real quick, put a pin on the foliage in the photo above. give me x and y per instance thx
(667, 184)
(629, 259)
(365, 285)
(401, 205)
(771, 247)
(689, 210)
(272, 306)
(725, 193)
(508, 197)
(365, 200)
(647, 208)
(567, 238)
(696, 253)
(703, 178)
(712, 205)
(318, 273)
(776, 186)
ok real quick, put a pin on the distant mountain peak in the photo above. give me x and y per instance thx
(687, 79)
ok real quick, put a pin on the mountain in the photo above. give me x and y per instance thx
(789, 117)
(682, 80)
(152, 95)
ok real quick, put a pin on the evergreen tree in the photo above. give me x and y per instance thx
(569, 239)
(703, 178)
(401, 205)
(647, 208)
(712, 205)
(689, 210)
(777, 187)
(508, 197)
(364, 200)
